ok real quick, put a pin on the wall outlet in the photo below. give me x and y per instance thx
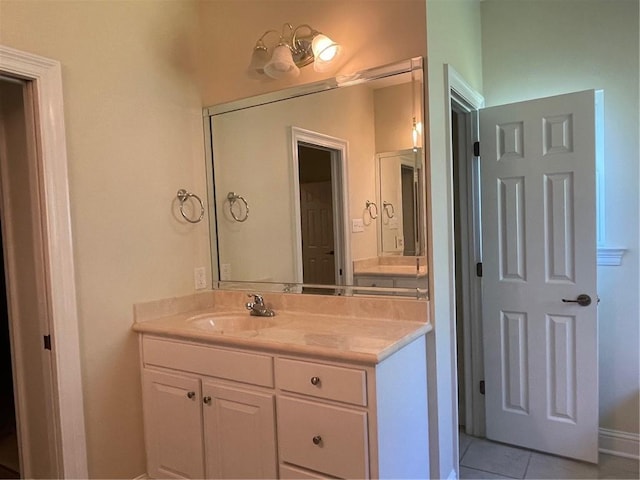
(399, 242)
(225, 272)
(357, 225)
(200, 278)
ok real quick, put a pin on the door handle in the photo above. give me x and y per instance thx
(583, 300)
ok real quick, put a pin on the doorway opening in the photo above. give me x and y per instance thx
(468, 254)
(9, 457)
(319, 173)
(317, 208)
(36, 227)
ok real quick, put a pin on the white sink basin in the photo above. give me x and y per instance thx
(230, 322)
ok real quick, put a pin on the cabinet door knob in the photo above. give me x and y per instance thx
(207, 400)
(315, 380)
(191, 394)
(317, 440)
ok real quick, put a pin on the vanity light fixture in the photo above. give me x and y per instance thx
(296, 48)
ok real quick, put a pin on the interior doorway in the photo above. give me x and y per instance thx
(9, 459)
(28, 446)
(539, 338)
(40, 80)
(319, 170)
(316, 215)
(468, 253)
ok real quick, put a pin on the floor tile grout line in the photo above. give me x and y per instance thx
(490, 472)
(461, 455)
(526, 470)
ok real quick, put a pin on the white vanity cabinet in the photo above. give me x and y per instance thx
(219, 412)
(354, 421)
(198, 426)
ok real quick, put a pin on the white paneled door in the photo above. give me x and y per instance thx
(539, 257)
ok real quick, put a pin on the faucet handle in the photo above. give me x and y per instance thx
(257, 298)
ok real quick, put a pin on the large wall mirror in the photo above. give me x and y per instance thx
(320, 188)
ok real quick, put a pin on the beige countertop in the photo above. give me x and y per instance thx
(361, 340)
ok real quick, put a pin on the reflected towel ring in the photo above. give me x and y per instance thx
(368, 206)
(390, 213)
(183, 196)
(233, 197)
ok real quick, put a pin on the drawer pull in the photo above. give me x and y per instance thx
(315, 381)
(207, 400)
(317, 440)
(191, 395)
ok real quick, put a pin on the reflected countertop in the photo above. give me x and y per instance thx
(392, 270)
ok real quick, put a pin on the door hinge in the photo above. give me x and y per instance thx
(482, 387)
(47, 342)
(340, 272)
(479, 269)
(476, 149)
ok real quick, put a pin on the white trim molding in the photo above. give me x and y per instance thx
(47, 77)
(621, 444)
(610, 256)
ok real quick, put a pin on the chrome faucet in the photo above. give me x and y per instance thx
(257, 307)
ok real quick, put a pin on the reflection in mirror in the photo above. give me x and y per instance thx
(306, 161)
(400, 184)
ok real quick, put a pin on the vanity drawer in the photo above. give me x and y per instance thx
(374, 281)
(211, 361)
(324, 381)
(324, 438)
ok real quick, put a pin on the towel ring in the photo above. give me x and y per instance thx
(233, 197)
(183, 196)
(368, 206)
(386, 206)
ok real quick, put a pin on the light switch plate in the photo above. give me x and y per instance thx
(200, 278)
(225, 272)
(357, 225)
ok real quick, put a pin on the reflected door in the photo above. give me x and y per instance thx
(539, 251)
(316, 217)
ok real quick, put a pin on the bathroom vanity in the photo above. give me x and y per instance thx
(394, 272)
(299, 395)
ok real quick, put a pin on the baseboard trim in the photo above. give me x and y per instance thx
(452, 475)
(621, 444)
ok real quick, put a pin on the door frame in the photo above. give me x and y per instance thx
(68, 421)
(339, 150)
(467, 101)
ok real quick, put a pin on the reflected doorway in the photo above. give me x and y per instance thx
(316, 215)
(322, 247)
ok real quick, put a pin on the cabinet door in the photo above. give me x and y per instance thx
(173, 425)
(240, 433)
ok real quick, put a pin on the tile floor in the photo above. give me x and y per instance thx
(483, 459)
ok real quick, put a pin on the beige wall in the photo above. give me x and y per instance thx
(560, 50)
(373, 33)
(134, 136)
(453, 28)
(394, 111)
(133, 97)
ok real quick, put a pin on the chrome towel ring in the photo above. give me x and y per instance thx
(183, 196)
(389, 211)
(233, 198)
(368, 206)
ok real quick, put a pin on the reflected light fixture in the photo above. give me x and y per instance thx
(296, 48)
(416, 133)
